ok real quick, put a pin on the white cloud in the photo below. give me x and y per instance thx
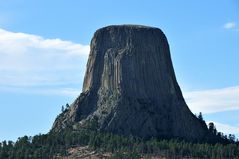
(215, 100)
(71, 92)
(66, 92)
(30, 60)
(230, 25)
(49, 90)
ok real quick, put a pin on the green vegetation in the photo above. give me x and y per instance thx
(52, 144)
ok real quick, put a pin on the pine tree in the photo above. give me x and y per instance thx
(200, 117)
(62, 108)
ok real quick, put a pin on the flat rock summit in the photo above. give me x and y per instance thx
(130, 88)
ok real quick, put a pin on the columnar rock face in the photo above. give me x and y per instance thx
(130, 88)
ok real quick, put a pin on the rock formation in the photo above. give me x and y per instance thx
(130, 88)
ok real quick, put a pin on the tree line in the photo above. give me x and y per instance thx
(216, 145)
(51, 145)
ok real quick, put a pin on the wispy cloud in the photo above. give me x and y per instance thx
(49, 90)
(31, 61)
(215, 100)
(231, 26)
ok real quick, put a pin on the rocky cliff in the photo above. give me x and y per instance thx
(130, 88)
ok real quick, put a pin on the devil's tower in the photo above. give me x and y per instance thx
(130, 88)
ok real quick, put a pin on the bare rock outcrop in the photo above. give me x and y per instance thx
(130, 88)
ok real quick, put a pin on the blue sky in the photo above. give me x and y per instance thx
(44, 47)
